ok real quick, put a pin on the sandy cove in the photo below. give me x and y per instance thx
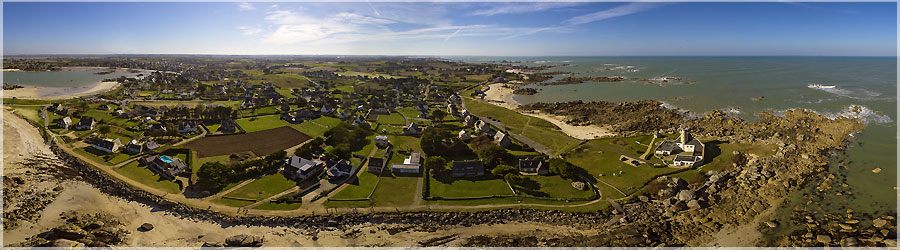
(54, 93)
(501, 95)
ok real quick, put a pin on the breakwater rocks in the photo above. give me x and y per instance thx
(640, 117)
(81, 230)
(525, 91)
(577, 80)
(419, 221)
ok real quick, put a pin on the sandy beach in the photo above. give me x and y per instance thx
(11, 70)
(501, 95)
(53, 93)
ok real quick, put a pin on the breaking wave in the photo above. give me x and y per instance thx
(860, 94)
(863, 114)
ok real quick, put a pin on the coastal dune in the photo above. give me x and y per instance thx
(501, 95)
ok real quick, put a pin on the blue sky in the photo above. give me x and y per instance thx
(489, 29)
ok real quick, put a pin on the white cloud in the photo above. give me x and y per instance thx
(249, 31)
(518, 8)
(624, 10)
(246, 6)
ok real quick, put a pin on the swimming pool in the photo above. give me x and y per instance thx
(166, 159)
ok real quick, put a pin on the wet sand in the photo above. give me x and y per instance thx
(500, 95)
(53, 93)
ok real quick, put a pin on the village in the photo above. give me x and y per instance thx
(405, 133)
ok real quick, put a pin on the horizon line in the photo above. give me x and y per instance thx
(414, 55)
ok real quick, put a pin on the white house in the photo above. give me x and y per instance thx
(381, 141)
(464, 135)
(410, 165)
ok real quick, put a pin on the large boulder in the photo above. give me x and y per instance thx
(69, 232)
(823, 239)
(66, 243)
(146, 227)
(879, 223)
(693, 204)
(686, 195)
(243, 240)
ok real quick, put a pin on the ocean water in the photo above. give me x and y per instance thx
(71, 77)
(863, 87)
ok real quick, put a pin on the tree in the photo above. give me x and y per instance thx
(310, 148)
(341, 151)
(513, 178)
(494, 155)
(213, 176)
(104, 129)
(301, 102)
(436, 164)
(563, 168)
(432, 141)
(438, 115)
(503, 170)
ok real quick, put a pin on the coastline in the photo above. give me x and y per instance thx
(500, 95)
(53, 93)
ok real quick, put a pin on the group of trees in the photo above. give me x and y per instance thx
(346, 139)
(214, 176)
(200, 112)
(440, 142)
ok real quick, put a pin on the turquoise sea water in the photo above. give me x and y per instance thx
(827, 85)
(72, 77)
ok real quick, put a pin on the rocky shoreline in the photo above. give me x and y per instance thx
(678, 214)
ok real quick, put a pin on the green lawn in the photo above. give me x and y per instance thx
(93, 154)
(317, 127)
(410, 112)
(395, 191)
(393, 118)
(536, 129)
(361, 188)
(147, 177)
(263, 187)
(261, 123)
(267, 110)
(597, 159)
(278, 206)
(468, 188)
(29, 112)
(552, 187)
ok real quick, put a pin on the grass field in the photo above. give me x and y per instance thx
(597, 159)
(29, 112)
(317, 127)
(539, 130)
(721, 153)
(552, 187)
(393, 118)
(468, 188)
(261, 123)
(361, 188)
(264, 187)
(395, 191)
(147, 177)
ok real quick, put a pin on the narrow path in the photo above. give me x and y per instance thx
(405, 119)
(418, 197)
(531, 143)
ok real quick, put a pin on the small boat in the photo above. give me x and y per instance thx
(820, 86)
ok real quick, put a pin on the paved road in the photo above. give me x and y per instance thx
(531, 143)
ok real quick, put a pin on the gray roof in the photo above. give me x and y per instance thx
(468, 167)
(301, 164)
(684, 158)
